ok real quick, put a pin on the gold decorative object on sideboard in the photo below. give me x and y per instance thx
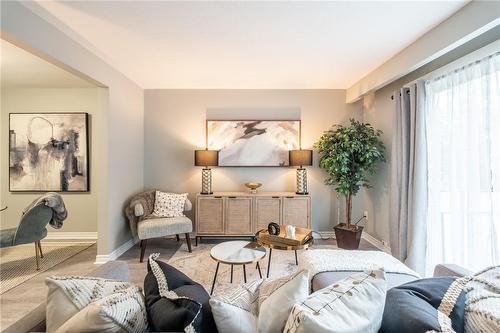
(243, 213)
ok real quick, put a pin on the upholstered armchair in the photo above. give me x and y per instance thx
(145, 226)
(31, 229)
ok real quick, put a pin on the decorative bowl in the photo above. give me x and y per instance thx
(253, 186)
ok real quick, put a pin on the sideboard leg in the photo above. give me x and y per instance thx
(244, 274)
(232, 273)
(296, 259)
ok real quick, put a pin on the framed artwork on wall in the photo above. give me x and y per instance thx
(48, 152)
(250, 143)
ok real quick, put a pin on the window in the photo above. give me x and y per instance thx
(463, 150)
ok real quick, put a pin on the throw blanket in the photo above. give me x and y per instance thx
(323, 260)
(54, 201)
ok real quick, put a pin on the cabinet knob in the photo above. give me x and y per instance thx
(232, 197)
(217, 197)
(275, 197)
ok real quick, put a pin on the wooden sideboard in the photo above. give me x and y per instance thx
(244, 213)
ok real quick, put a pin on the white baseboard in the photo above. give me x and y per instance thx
(103, 258)
(376, 242)
(71, 235)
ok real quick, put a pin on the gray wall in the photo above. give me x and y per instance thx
(174, 126)
(120, 159)
(378, 109)
(82, 207)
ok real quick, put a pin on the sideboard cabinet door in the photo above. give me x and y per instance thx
(267, 210)
(210, 211)
(297, 211)
(238, 216)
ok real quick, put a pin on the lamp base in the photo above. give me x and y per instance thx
(302, 193)
(210, 193)
(301, 181)
(206, 181)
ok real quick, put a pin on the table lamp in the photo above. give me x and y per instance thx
(300, 158)
(206, 158)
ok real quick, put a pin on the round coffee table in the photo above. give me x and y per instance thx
(237, 253)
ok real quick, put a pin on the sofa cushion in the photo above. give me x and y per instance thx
(174, 302)
(435, 304)
(324, 279)
(354, 304)
(153, 227)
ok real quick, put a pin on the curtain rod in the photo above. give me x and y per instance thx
(408, 92)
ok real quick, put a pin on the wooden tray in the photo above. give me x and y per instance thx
(302, 236)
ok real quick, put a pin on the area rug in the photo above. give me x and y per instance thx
(200, 267)
(18, 262)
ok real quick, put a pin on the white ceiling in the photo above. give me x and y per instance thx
(21, 69)
(252, 45)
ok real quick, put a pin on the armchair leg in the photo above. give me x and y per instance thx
(177, 236)
(188, 241)
(143, 248)
(36, 257)
(40, 248)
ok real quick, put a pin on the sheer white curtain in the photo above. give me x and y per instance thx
(463, 152)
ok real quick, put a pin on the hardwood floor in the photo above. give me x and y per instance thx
(19, 301)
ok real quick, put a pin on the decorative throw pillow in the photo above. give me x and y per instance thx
(435, 304)
(174, 302)
(121, 312)
(259, 306)
(69, 294)
(237, 310)
(482, 302)
(276, 299)
(169, 204)
(354, 304)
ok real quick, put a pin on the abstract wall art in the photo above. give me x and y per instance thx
(48, 152)
(253, 142)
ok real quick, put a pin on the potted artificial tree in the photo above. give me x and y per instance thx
(349, 154)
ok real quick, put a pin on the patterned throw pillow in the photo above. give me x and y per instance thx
(169, 204)
(482, 304)
(354, 304)
(260, 306)
(67, 295)
(426, 305)
(237, 310)
(174, 302)
(121, 312)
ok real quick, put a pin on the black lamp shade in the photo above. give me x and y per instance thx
(206, 158)
(300, 157)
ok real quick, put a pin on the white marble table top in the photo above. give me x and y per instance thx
(238, 252)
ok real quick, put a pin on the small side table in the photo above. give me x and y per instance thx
(280, 246)
(237, 253)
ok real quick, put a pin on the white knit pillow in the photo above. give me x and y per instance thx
(121, 312)
(169, 204)
(69, 294)
(482, 302)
